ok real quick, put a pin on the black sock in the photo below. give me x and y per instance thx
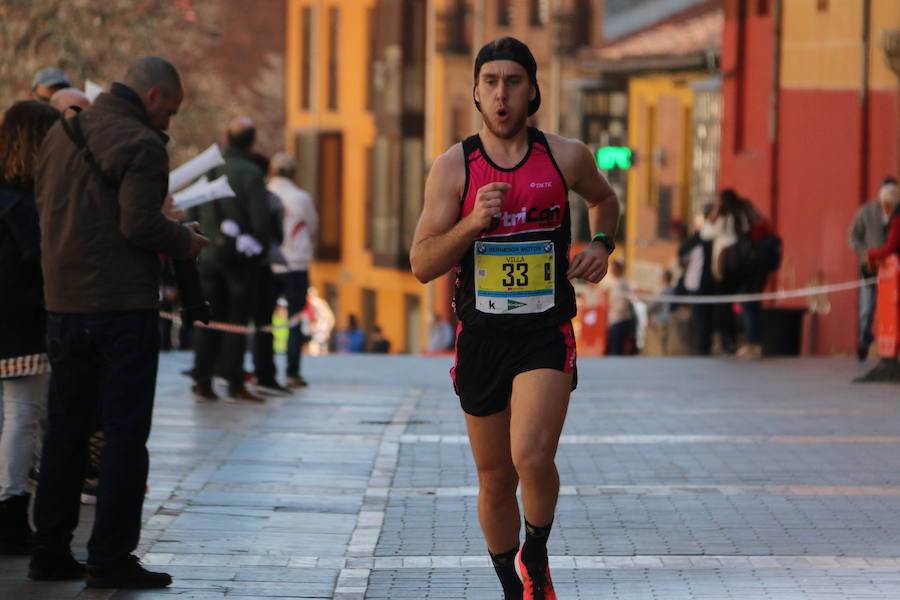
(505, 566)
(535, 549)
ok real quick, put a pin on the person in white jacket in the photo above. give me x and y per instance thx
(300, 225)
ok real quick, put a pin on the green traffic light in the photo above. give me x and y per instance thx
(610, 157)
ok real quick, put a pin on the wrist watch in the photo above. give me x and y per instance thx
(605, 240)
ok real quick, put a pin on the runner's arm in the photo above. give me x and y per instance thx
(603, 211)
(441, 237)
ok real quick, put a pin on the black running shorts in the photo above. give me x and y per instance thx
(486, 364)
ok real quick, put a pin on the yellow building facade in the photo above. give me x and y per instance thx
(331, 127)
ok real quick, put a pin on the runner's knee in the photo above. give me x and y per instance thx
(498, 484)
(533, 460)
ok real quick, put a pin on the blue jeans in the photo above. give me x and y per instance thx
(294, 285)
(751, 314)
(102, 363)
(867, 297)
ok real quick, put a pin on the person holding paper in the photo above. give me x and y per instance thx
(229, 266)
(100, 184)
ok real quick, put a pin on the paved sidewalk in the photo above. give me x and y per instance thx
(682, 479)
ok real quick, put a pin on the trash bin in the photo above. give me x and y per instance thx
(782, 331)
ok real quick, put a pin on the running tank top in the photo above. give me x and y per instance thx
(512, 279)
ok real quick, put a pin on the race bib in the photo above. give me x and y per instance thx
(514, 278)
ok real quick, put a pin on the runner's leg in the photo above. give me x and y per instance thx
(498, 508)
(540, 399)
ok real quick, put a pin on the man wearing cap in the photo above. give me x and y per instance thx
(46, 81)
(496, 211)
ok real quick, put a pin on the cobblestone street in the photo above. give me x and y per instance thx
(682, 479)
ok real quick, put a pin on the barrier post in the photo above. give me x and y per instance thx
(887, 312)
(593, 321)
(887, 324)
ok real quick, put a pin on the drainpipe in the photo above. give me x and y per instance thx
(774, 108)
(429, 141)
(864, 104)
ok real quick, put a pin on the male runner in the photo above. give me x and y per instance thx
(496, 209)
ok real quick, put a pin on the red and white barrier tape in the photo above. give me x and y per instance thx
(231, 327)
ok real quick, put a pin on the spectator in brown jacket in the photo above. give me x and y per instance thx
(100, 185)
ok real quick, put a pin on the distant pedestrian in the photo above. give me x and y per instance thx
(24, 368)
(352, 339)
(47, 81)
(65, 99)
(729, 227)
(101, 183)
(440, 334)
(300, 222)
(229, 266)
(695, 255)
(622, 319)
(378, 344)
(868, 232)
(267, 292)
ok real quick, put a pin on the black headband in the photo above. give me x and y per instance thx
(509, 48)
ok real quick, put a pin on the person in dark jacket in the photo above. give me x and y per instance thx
(100, 196)
(229, 267)
(24, 369)
(695, 255)
(268, 290)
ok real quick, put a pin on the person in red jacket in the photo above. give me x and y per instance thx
(891, 246)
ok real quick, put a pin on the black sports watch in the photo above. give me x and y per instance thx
(605, 240)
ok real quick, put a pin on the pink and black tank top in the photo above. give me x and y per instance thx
(513, 277)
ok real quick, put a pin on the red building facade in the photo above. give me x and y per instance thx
(810, 127)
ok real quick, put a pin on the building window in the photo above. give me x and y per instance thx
(454, 29)
(504, 13)
(306, 43)
(330, 194)
(822, 5)
(333, 40)
(538, 12)
(320, 157)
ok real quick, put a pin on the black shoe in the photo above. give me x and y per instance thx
(244, 396)
(204, 393)
(54, 564)
(862, 353)
(296, 381)
(15, 532)
(270, 387)
(125, 574)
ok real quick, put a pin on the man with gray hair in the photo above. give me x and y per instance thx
(869, 231)
(101, 181)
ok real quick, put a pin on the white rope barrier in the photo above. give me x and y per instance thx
(779, 295)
